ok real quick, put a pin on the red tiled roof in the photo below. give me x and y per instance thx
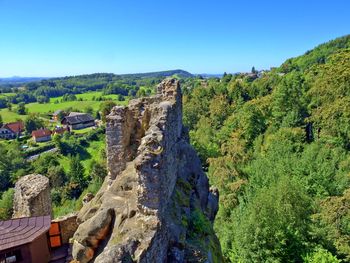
(15, 127)
(20, 231)
(41, 133)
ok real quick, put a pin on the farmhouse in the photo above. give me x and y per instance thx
(77, 120)
(25, 240)
(42, 135)
(11, 130)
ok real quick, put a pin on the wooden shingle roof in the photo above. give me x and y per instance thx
(77, 117)
(20, 231)
(15, 127)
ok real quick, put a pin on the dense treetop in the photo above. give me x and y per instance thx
(277, 146)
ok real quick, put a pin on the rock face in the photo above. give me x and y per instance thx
(32, 196)
(155, 204)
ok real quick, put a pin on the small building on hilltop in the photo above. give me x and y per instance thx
(41, 135)
(12, 130)
(25, 240)
(78, 120)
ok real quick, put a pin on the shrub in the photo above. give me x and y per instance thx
(320, 255)
(6, 204)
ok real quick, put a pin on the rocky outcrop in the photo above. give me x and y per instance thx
(32, 196)
(155, 204)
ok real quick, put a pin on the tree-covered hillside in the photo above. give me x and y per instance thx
(277, 147)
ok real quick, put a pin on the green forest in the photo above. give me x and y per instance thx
(276, 145)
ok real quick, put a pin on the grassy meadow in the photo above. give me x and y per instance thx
(4, 95)
(93, 153)
(56, 104)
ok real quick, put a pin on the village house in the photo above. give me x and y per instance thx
(41, 135)
(25, 240)
(78, 120)
(36, 239)
(12, 130)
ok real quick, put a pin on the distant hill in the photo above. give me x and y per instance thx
(160, 74)
(19, 80)
(207, 75)
(318, 55)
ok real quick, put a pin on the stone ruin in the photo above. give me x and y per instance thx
(155, 185)
(32, 196)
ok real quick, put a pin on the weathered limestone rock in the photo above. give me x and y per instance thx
(32, 196)
(155, 193)
(87, 198)
(89, 235)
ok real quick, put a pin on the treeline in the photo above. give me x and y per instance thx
(126, 85)
(277, 147)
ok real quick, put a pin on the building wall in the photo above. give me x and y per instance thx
(43, 139)
(6, 134)
(82, 125)
(68, 226)
(24, 250)
(39, 250)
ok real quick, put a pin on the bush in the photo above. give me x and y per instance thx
(199, 224)
(67, 207)
(6, 204)
(56, 197)
(320, 255)
(38, 150)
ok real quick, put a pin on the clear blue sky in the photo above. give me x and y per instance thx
(69, 37)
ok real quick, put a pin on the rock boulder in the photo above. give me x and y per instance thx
(32, 196)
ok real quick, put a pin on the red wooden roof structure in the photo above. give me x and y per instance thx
(15, 127)
(20, 231)
(41, 133)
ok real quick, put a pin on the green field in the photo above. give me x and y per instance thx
(4, 95)
(94, 151)
(9, 116)
(89, 96)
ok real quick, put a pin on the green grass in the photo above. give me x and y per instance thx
(9, 116)
(70, 206)
(2, 95)
(51, 107)
(82, 131)
(94, 153)
(90, 95)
